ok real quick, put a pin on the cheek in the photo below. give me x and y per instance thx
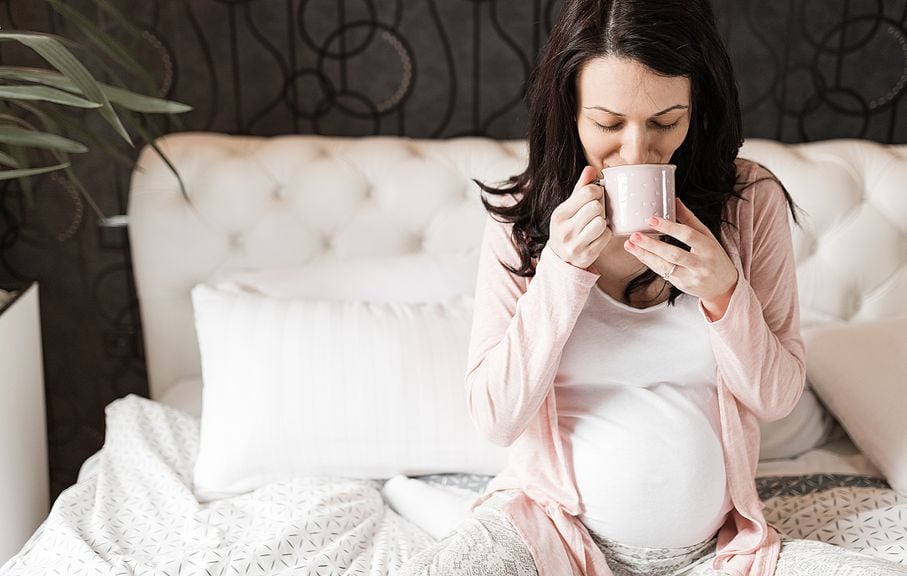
(596, 144)
(669, 143)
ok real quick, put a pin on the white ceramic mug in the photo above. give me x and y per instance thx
(634, 193)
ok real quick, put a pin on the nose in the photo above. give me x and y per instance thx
(635, 147)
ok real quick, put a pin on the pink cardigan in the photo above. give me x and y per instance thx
(519, 330)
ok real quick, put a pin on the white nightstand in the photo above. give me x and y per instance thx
(24, 485)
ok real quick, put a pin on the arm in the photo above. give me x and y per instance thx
(518, 333)
(757, 342)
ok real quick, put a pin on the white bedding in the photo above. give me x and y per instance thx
(133, 512)
(839, 456)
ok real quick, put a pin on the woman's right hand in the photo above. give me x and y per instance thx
(578, 231)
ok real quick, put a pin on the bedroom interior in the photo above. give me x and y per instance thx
(398, 149)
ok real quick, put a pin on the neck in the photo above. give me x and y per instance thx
(616, 267)
(616, 264)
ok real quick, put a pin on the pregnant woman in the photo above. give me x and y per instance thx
(628, 374)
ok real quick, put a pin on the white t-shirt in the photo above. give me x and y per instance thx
(637, 409)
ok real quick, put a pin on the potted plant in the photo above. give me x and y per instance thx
(42, 129)
(37, 135)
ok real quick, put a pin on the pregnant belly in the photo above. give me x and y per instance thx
(649, 467)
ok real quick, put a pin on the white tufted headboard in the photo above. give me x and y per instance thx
(292, 199)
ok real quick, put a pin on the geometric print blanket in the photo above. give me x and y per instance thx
(856, 512)
(136, 514)
(861, 513)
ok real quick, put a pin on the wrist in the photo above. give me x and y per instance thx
(717, 306)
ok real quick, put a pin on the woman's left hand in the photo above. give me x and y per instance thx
(705, 271)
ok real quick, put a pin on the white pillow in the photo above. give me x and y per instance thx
(417, 277)
(859, 370)
(808, 426)
(354, 389)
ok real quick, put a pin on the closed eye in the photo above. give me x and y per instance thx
(666, 127)
(612, 128)
(617, 127)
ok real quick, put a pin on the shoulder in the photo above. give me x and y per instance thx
(759, 186)
(499, 232)
(762, 196)
(760, 216)
(505, 200)
(502, 201)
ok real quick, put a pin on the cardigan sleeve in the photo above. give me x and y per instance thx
(757, 343)
(519, 330)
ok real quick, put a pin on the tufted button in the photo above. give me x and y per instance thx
(279, 192)
(855, 302)
(812, 245)
(236, 242)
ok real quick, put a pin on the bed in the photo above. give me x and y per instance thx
(293, 457)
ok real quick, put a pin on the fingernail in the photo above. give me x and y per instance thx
(653, 221)
(636, 237)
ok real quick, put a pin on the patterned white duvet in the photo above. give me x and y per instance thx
(136, 514)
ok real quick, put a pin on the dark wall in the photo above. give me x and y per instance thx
(808, 70)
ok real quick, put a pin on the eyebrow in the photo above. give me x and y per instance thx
(665, 111)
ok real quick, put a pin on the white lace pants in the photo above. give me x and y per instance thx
(487, 544)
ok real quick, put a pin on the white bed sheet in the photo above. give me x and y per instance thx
(185, 395)
(133, 512)
(838, 456)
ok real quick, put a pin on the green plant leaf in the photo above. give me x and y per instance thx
(125, 98)
(105, 42)
(16, 136)
(47, 94)
(8, 160)
(52, 50)
(151, 142)
(144, 104)
(29, 172)
(53, 119)
(71, 176)
(15, 119)
(124, 22)
(20, 156)
(50, 125)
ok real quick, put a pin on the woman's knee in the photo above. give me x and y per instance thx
(484, 544)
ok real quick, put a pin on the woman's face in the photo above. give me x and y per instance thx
(628, 114)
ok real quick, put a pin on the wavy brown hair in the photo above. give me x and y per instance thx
(671, 38)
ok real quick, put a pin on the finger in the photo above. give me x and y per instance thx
(652, 261)
(682, 232)
(583, 192)
(593, 231)
(587, 176)
(586, 213)
(686, 216)
(667, 252)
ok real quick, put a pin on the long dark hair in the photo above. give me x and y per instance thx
(670, 37)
